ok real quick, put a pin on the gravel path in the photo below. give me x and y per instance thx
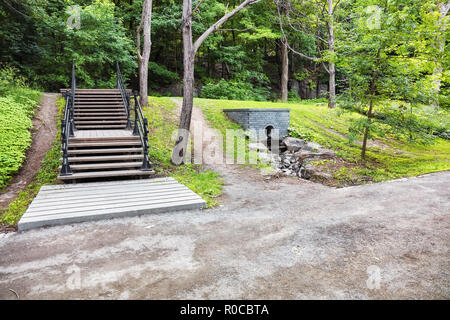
(271, 239)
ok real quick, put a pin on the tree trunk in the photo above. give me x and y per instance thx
(370, 112)
(179, 150)
(284, 70)
(440, 38)
(189, 50)
(143, 58)
(331, 67)
(366, 132)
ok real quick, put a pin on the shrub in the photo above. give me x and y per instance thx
(293, 96)
(17, 105)
(234, 90)
(299, 132)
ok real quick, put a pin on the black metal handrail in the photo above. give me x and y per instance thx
(125, 95)
(67, 124)
(140, 129)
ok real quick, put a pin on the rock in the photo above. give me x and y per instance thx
(322, 175)
(257, 146)
(320, 154)
(312, 146)
(264, 157)
(307, 171)
(293, 144)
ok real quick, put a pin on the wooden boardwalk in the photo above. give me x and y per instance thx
(65, 204)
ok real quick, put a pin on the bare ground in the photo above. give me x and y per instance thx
(271, 239)
(43, 134)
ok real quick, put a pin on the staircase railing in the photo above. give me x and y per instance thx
(125, 95)
(140, 129)
(67, 124)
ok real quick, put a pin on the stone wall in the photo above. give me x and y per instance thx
(260, 119)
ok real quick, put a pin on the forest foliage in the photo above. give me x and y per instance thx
(17, 107)
(41, 38)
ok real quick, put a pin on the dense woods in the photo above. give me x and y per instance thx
(359, 54)
(296, 43)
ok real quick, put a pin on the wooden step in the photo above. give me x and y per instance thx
(104, 114)
(99, 121)
(97, 90)
(110, 165)
(97, 151)
(105, 158)
(105, 94)
(99, 127)
(106, 174)
(89, 103)
(82, 110)
(78, 118)
(104, 139)
(109, 99)
(95, 106)
(104, 144)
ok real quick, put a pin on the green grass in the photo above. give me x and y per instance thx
(394, 159)
(162, 125)
(46, 175)
(17, 108)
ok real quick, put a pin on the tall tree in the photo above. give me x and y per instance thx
(189, 50)
(441, 29)
(284, 65)
(331, 66)
(144, 55)
(377, 52)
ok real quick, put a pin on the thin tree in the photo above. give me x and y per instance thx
(190, 48)
(442, 21)
(284, 65)
(324, 17)
(144, 54)
(331, 67)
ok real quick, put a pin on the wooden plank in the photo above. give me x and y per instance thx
(102, 202)
(105, 158)
(106, 174)
(81, 127)
(113, 206)
(36, 222)
(109, 165)
(44, 195)
(88, 185)
(96, 151)
(103, 144)
(87, 196)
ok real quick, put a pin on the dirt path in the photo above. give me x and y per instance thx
(231, 173)
(43, 133)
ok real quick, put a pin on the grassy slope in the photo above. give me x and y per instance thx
(17, 107)
(162, 125)
(393, 159)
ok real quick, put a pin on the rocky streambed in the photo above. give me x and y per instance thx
(297, 157)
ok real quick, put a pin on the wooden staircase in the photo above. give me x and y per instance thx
(99, 109)
(105, 157)
(101, 139)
